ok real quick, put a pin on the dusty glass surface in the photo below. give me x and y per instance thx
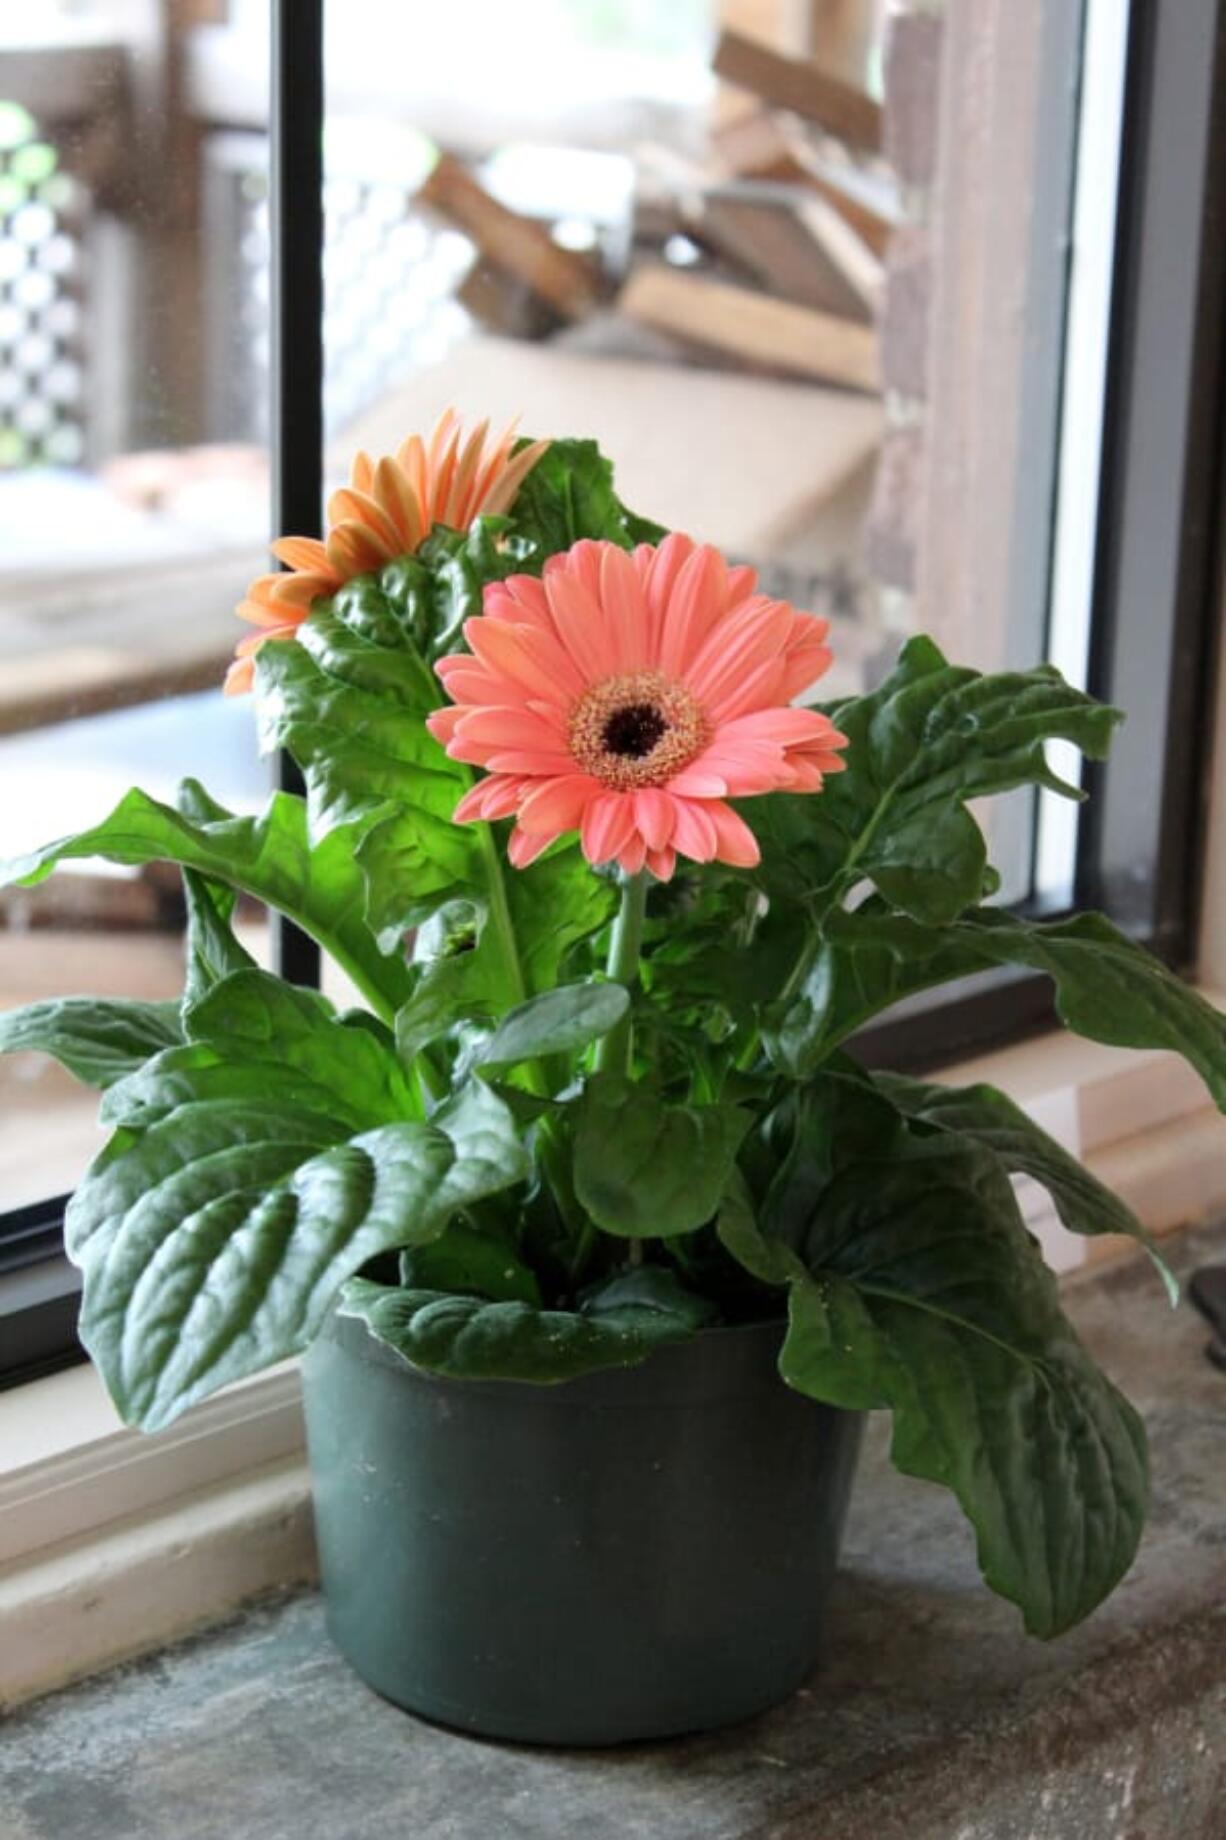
(133, 509)
(557, 209)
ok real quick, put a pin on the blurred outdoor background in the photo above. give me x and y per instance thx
(621, 218)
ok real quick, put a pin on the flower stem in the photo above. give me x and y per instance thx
(613, 1054)
(502, 926)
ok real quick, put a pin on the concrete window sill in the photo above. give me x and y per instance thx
(935, 1718)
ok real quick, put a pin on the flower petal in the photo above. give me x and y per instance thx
(500, 726)
(696, 605)
(531, 764)
(347, 505)
(395, 493)
(532, 658)
(499, 495)
(624, 607)
(523, 847)
(503, 794)
(607, 826)
(354, 549)
(757, 632)
(518, 598)
(558, 805)
(696, 783)
(306, 553)
(658, 570)
(790, 727)
(633, 855)
(580, 624)
(654, 815)
(735, 842)
(694, 834)
(442, 723)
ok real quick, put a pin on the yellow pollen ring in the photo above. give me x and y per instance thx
(685, 730)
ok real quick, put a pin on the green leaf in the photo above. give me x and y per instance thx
(472, 1260)
(460, 966)
(413, 863)
(569, 495)
(255, 1169)
(989, 1118)
(252, 1035)
(461, 563)
(353, 713)
(419, 603)
(318, 886)
(98, 1041)
(468, 1339)
(932, 737)
(212, 951)
(559, 1021)
(1108, 988)
(915, 1286)
(456, 980)
(645, 1169)
(555, 904)
(851, 977)
(654, 1288)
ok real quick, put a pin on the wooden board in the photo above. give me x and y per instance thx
(759, 146)
(520, 245)
(734, 460)
(76, 642)
(504, 304)
(802, 86)
(860, 268)
(799, 249)
(753, 327)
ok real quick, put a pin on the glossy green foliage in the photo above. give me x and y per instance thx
(914, 1286)
(469, 1338)
(933, 737)
(253, 1169)
(646, 1169)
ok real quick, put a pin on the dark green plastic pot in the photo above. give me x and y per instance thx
(634, 1554)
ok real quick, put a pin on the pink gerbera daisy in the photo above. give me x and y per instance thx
(628, 697)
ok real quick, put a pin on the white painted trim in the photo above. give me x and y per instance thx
(1090, 299)
(1141, 1122)
(151, 1579)
(68, 1468)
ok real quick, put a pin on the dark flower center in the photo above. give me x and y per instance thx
(633, 730)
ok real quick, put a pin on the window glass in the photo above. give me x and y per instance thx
(615, 218)
(610, 218)
(133, 502)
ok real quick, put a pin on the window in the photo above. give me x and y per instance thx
(133, 511)
(1037, 477)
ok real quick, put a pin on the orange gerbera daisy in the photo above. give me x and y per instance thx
(388, 509)
(629, 696)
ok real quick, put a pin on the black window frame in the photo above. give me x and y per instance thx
(1160, 636)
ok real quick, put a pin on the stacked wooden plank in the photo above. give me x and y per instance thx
(791, 221)
(782, 229)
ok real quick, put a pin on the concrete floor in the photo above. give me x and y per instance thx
(935, 1719)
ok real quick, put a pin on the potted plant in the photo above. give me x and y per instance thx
(597, 1237)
